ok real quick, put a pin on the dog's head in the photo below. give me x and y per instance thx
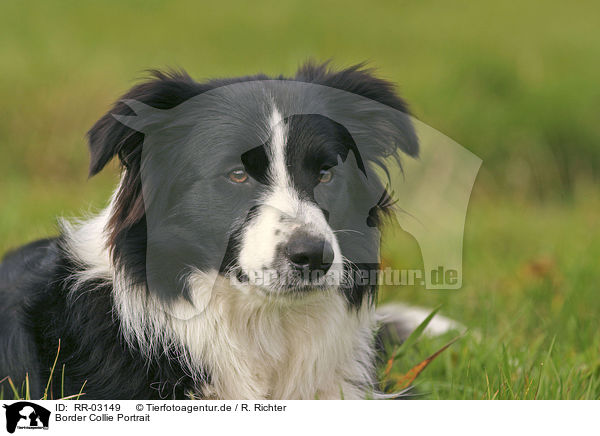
(280, 201)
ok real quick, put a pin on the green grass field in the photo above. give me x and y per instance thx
(514, 82)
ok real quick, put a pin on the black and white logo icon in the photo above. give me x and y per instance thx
(26, 415)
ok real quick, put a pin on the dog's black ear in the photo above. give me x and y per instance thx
(109, 137)
(362, 81)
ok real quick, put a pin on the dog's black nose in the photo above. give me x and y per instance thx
(309, 253)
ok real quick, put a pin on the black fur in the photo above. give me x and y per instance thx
(35, 284)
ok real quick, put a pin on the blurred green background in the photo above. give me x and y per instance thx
(514, 82)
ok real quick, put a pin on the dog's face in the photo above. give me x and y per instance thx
(287, 243)
(298, 210)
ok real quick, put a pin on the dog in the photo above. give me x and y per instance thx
(107, 300)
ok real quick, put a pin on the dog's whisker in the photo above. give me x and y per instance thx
(347, 231)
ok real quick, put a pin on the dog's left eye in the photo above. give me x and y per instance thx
(238, 176)
(325, 176)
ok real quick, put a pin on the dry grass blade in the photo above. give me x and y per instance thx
(45, 397)
(409, 342)
(12, 387)
(81, 391)
(405, 380)
(75, 396)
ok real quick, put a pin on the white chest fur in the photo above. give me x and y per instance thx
(254, 348)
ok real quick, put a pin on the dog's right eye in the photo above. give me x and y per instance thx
(238, 176)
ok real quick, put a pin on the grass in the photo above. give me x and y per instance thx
(23, 392)
(514, 82)
(530, 301)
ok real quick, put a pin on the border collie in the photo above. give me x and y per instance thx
(287, 338)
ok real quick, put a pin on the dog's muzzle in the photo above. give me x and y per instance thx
(310, 255)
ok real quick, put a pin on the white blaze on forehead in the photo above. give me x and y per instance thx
(276, 149)
(281, 196)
